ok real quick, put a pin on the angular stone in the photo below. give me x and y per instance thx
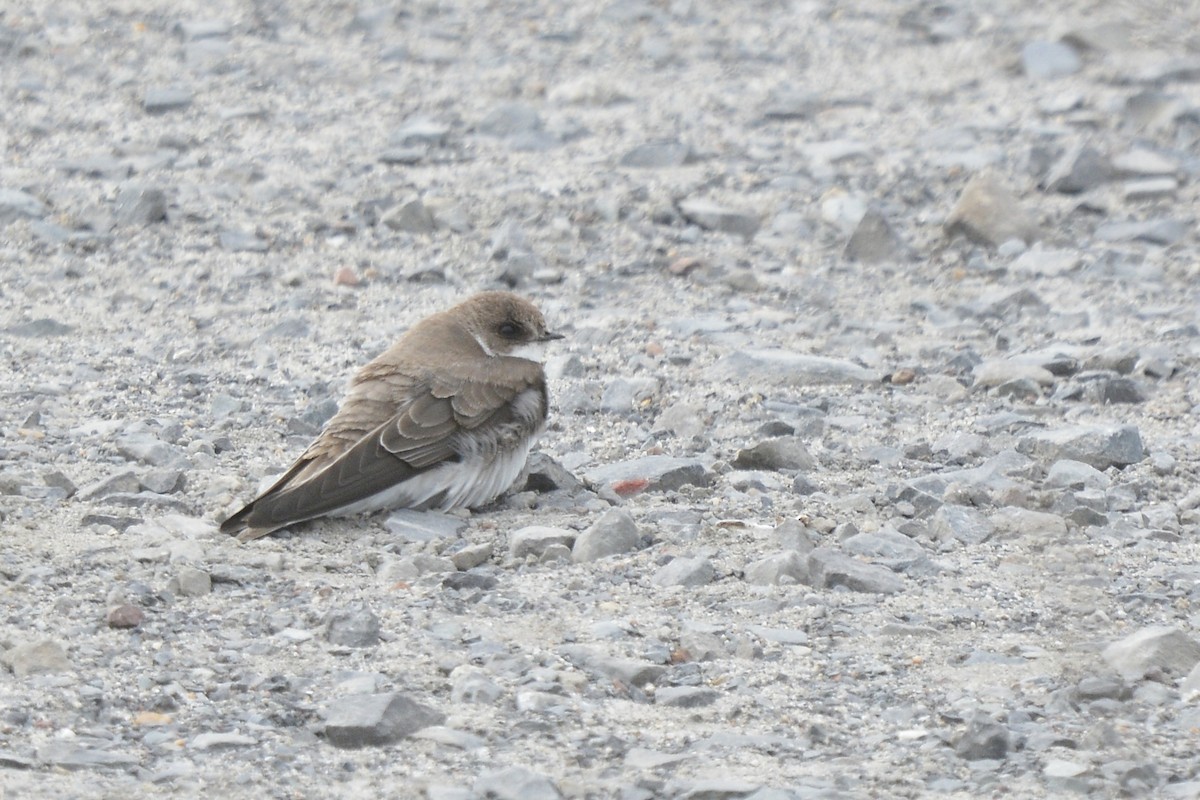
(716, 217)
(411, 216)
(193, 582)
(375, 719)
(874, 240)
(1099, 446)
(534, 539)
(829, 568)
(1156, 231)
(161, 100)
(238, 241)
(789, 368)
(32, 658)
(683, 571)
(1081, 169)
(121, 483)
(15, 204)
(139, 204)
(1043, 60)
(984, 739)
(660, 473)
(147, 448)
(657, 155)
(214, 741)
(989, 213)
(615, 532)
(1068, 474)
(685, 696)
(470, 684)
(892, 549)
(1157, 648)
(543, 474)
(68, 755)
(352, 627)
(515, 783)
(42, 328)
(510, 119)
(964, 523)
(424, 526)
(996, 373)
(782, 453)
(770, 570)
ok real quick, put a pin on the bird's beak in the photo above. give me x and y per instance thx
(550, 336)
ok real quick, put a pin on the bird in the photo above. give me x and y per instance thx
(443, 419)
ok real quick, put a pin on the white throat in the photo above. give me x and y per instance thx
(531, 351)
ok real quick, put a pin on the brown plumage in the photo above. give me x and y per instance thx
(442, 419)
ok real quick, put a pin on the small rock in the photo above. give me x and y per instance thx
(121, 483)
(1153, 649)
(1039, 261)
(661, 473)
(469, 684)
(193, 582)
(771, 570)
(352, 627)
(1044, 60)
(33, 658)
(411, 216)
(873, 241)
(424, 526)
(997, 373)
(683, 571)
(685, 696)
(828, 568)
(510, 119)
(783, 453)
(472, 556)
(534, 540)
(1099, 446)
(1081, 169)
(515, 783)
(657, 155)
(149, 449)
(237, 241)
(213, 741)
(43, 328)
(162, 100)
(15, 204)
(125, 616)
(715, 217)
(376, 719)
(615, 532)
(1161, 231)
(545, 475)
(1068, 474)
(792, 369)
(988, 213)
(984, 739)
(139, 204)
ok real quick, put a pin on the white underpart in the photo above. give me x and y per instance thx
(483, 345)
(531, 351)
(491, 465)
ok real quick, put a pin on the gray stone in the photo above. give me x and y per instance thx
(1068, 474)
(786, 103)
(544, 474)
(1022, 523)
(213, 741)
(788, 368)
(515, 783)
(771, 570)
(874, 241)
(139, 204)
(470, 684)
(352, 627)
(238, 241)
(66, 754)
(163, 99)
(716, 217)
(625, 395)
(149, 449)
(1043, 60)
(792, 535)
(1142, 163)
(15, 204)
(420, 131)
(1081, 169)
(1038, 261)
(631, 671)
(42, 328)
(424, 526)
(194, 30)
(892, 549)
(193, 582)
(376, 719)
(984, 739)
(998, 372)
(32, 658)
(988, 213)
(713, 789)
(162, 480)
(1149, 189)
(1099, 446)
(534, 539)
(661, 473)
(967, 525)
(657, 155)
(1158, 231)
(510, 119)
(122, 483)
(1152, 650)
(683, 571)
(782, 453)
(472, 556)
(411, 216)
(685, 696)
(829, 568)
(615, 532)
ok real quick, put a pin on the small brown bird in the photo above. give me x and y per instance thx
(443, 419)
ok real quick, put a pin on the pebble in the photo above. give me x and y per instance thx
(1098, 446)
(984, 738)
(15, 204)
(32, 658)
(68, 755)
(660, 472)
(684, 571)
(613, 533)
(658, 155)
(424, 526)
(874, 240)
(535, 539)
(352, 627)
(411, 216)
(140, 204)
(239, 241)
(789, 566)
(716, 217)
(685, 696)
(1081, 169)
(125, 616)
(160, 100)
(510, 119)
(988, 213)
(1157, 231)
(366, 720)
(829, 568)
(792, 369)
(1068, 474)
(211, 741)
(193, 582)
(515, 783)
(1043, 60)
(1157, 648)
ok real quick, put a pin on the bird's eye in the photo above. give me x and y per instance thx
(509, 330)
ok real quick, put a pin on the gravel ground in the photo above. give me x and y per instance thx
(872, 467)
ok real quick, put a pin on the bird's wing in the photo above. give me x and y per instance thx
(438, 423)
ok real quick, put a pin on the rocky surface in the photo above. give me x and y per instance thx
(873, 461)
